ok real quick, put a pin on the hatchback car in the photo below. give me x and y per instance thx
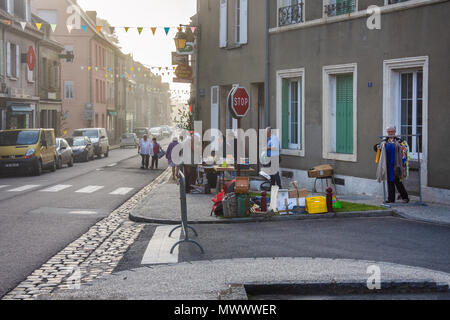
(64, 152)
(99, 140)
(83, 149)
(129, 140)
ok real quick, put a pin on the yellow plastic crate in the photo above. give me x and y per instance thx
(316, 205)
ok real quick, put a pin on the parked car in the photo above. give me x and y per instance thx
(166, 131)
(99, 140)
(83, 149)
(140, 132)
(156, 133)
(64, 152)
(28, 150)
(129, 140)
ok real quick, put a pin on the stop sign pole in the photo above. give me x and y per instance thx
(239, 105)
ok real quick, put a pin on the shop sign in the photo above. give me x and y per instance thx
(188, 50)
(179, 59)
(184, 72)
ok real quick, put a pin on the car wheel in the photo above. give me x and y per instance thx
(71, 162)
(86, 157)
(38, 169)
(107, 153)
(54, 164)
(59, 164)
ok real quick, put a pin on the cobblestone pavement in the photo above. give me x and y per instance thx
(91, 256)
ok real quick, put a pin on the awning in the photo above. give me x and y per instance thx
(21, 109)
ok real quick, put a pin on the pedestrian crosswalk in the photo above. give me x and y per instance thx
(89, 189)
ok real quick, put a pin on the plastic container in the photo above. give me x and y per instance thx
(316, 205)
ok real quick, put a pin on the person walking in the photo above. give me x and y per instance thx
(144, 150)
(175, 168)
(391, 165)
(273, 150)
(155, 148)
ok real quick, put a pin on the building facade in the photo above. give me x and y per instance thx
(19, 91)
(336, 82)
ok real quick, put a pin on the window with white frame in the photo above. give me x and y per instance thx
(50, 16)
(410, 120)
(13, 60)
(238, 27)
(339, 112)
(68, 90)
(291, 111)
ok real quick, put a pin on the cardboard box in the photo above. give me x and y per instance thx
(302, 193)
(322, 171)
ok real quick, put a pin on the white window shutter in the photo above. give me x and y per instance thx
(223, 23)
(215, 98)
(244, 22)
(29, 74)
(18, 64)
(8, 58)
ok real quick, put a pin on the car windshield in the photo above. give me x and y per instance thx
(18, 138)
(79, 142)
(86, 133)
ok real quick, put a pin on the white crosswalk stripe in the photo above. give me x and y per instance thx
(24, 188)
(158, 249)
(121, 191)
(4, 186)
(90, 189)
(57, 188)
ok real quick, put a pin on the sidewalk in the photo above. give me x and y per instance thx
(162, 206)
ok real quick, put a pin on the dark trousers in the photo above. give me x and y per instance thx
(400, 187)
(276, 180)
(154, 162)
(145, 160)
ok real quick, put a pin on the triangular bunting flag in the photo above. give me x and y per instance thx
(69, 28)
(139, 29)
(96, 68)
(99, 28)
(126, 29)
(23, 24)
(84, 28)
(193, 29)
(53, 26)
(82, 68)
(153, 30)
(7, 21)
(167, 29)
(180, 29)
(39, 26)
(89, 68)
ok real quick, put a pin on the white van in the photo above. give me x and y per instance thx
(99, 139)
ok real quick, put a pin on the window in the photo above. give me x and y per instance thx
(290, 12)
(10, 6)
(13, 60)
(339, 112)
(338, 7)
(238, 22)
(223, 23)
(51, 16)
(291, 111)
(238, 27)
(68, 90)
(411, 109)
(21, 8)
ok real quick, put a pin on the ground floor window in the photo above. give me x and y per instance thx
(339, 112)
(410, 120)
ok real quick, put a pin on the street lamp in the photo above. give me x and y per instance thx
(180, 40)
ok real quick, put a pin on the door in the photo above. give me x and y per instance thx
(344, 114)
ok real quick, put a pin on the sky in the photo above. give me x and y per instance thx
(146, 48)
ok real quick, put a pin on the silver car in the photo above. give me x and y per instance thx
(64, 152)
(129, 140)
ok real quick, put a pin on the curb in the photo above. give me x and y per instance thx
(342, 215)
(416, 219)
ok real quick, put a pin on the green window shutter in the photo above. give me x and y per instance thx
(344, 114)
(344, 6)
(285, 115)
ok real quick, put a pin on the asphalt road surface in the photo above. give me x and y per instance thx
(377, 239)
(40, 216)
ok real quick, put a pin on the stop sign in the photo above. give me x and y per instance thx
(240, 102)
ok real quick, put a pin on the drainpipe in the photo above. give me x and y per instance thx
(266, 84)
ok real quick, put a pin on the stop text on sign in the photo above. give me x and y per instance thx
(240, 102)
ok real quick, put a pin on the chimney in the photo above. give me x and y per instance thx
(93, 16)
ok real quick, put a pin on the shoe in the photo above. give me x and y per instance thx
(405, 200)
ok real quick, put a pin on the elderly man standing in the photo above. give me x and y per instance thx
(273, 150)
(144, 150)
(391, 164)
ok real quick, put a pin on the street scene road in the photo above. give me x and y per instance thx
(39, 216)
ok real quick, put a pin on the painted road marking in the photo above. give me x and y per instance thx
(24, 188)
(158, 249)
(90, 189)
(82, 212)
(57, 188)
(112, 165)
(4, 186)
(122, 191)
